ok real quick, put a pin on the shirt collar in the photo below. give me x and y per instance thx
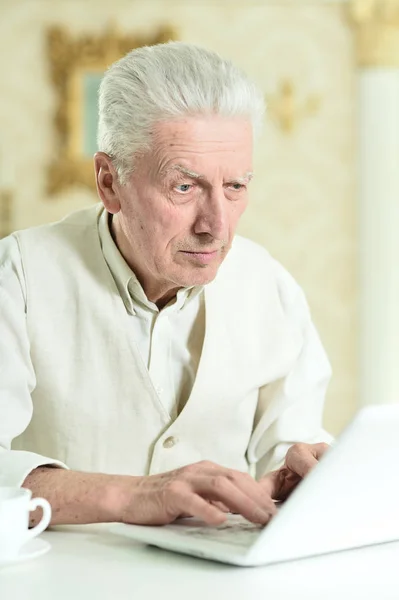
(126, 281)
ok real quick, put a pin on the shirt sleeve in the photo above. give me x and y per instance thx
(17, 377)
(290, 409)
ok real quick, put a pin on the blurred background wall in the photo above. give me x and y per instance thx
(303, 206)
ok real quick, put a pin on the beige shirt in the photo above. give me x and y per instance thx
(76, 383)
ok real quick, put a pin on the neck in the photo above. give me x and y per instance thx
(162, 300)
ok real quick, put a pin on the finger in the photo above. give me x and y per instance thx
(271, 484)
(319, 449)
(253, 489)
(198, 507)
(289, 482)
(249, 486)
(221, 506)
(280, 484)
(300, 460)
(219, 488)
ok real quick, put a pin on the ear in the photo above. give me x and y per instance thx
(107, 182)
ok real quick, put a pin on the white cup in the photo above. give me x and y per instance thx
(15, 506)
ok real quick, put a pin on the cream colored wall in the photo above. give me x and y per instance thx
(302, 206)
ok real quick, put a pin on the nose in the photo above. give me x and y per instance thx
(212, 216)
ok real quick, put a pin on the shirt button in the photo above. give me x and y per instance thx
(170, 442)
(159, 390)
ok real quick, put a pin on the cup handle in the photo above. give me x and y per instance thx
(46, 517)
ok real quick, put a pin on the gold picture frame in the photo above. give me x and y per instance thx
(76, 65)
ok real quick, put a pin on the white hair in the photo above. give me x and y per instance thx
(164, 82)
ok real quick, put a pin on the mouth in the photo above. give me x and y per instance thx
(202, 256)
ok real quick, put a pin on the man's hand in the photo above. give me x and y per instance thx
(300, 459)
(204, 490)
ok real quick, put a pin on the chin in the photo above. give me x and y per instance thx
(199, 277)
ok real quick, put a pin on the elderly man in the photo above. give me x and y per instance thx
(153, 364)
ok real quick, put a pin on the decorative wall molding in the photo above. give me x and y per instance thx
(377, 32)
(70, 59)
(285, 108)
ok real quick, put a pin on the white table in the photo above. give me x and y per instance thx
(90, 563)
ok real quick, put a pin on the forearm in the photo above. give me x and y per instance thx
(77, 497)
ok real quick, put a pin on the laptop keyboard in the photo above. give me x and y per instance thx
(235, 531)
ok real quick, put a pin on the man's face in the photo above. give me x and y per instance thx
(180, 207)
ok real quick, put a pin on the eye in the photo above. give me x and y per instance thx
(236, 186)
(183, 188)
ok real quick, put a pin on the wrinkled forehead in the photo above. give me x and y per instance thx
(195, 145)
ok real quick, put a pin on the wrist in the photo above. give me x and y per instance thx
(117, 497)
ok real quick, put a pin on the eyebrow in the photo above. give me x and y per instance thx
(186, 171)
(245, 178)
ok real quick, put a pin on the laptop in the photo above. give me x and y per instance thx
(349, 500)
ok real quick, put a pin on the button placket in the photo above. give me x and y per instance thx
(159, 365)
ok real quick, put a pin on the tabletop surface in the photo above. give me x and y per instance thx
(89, 562)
